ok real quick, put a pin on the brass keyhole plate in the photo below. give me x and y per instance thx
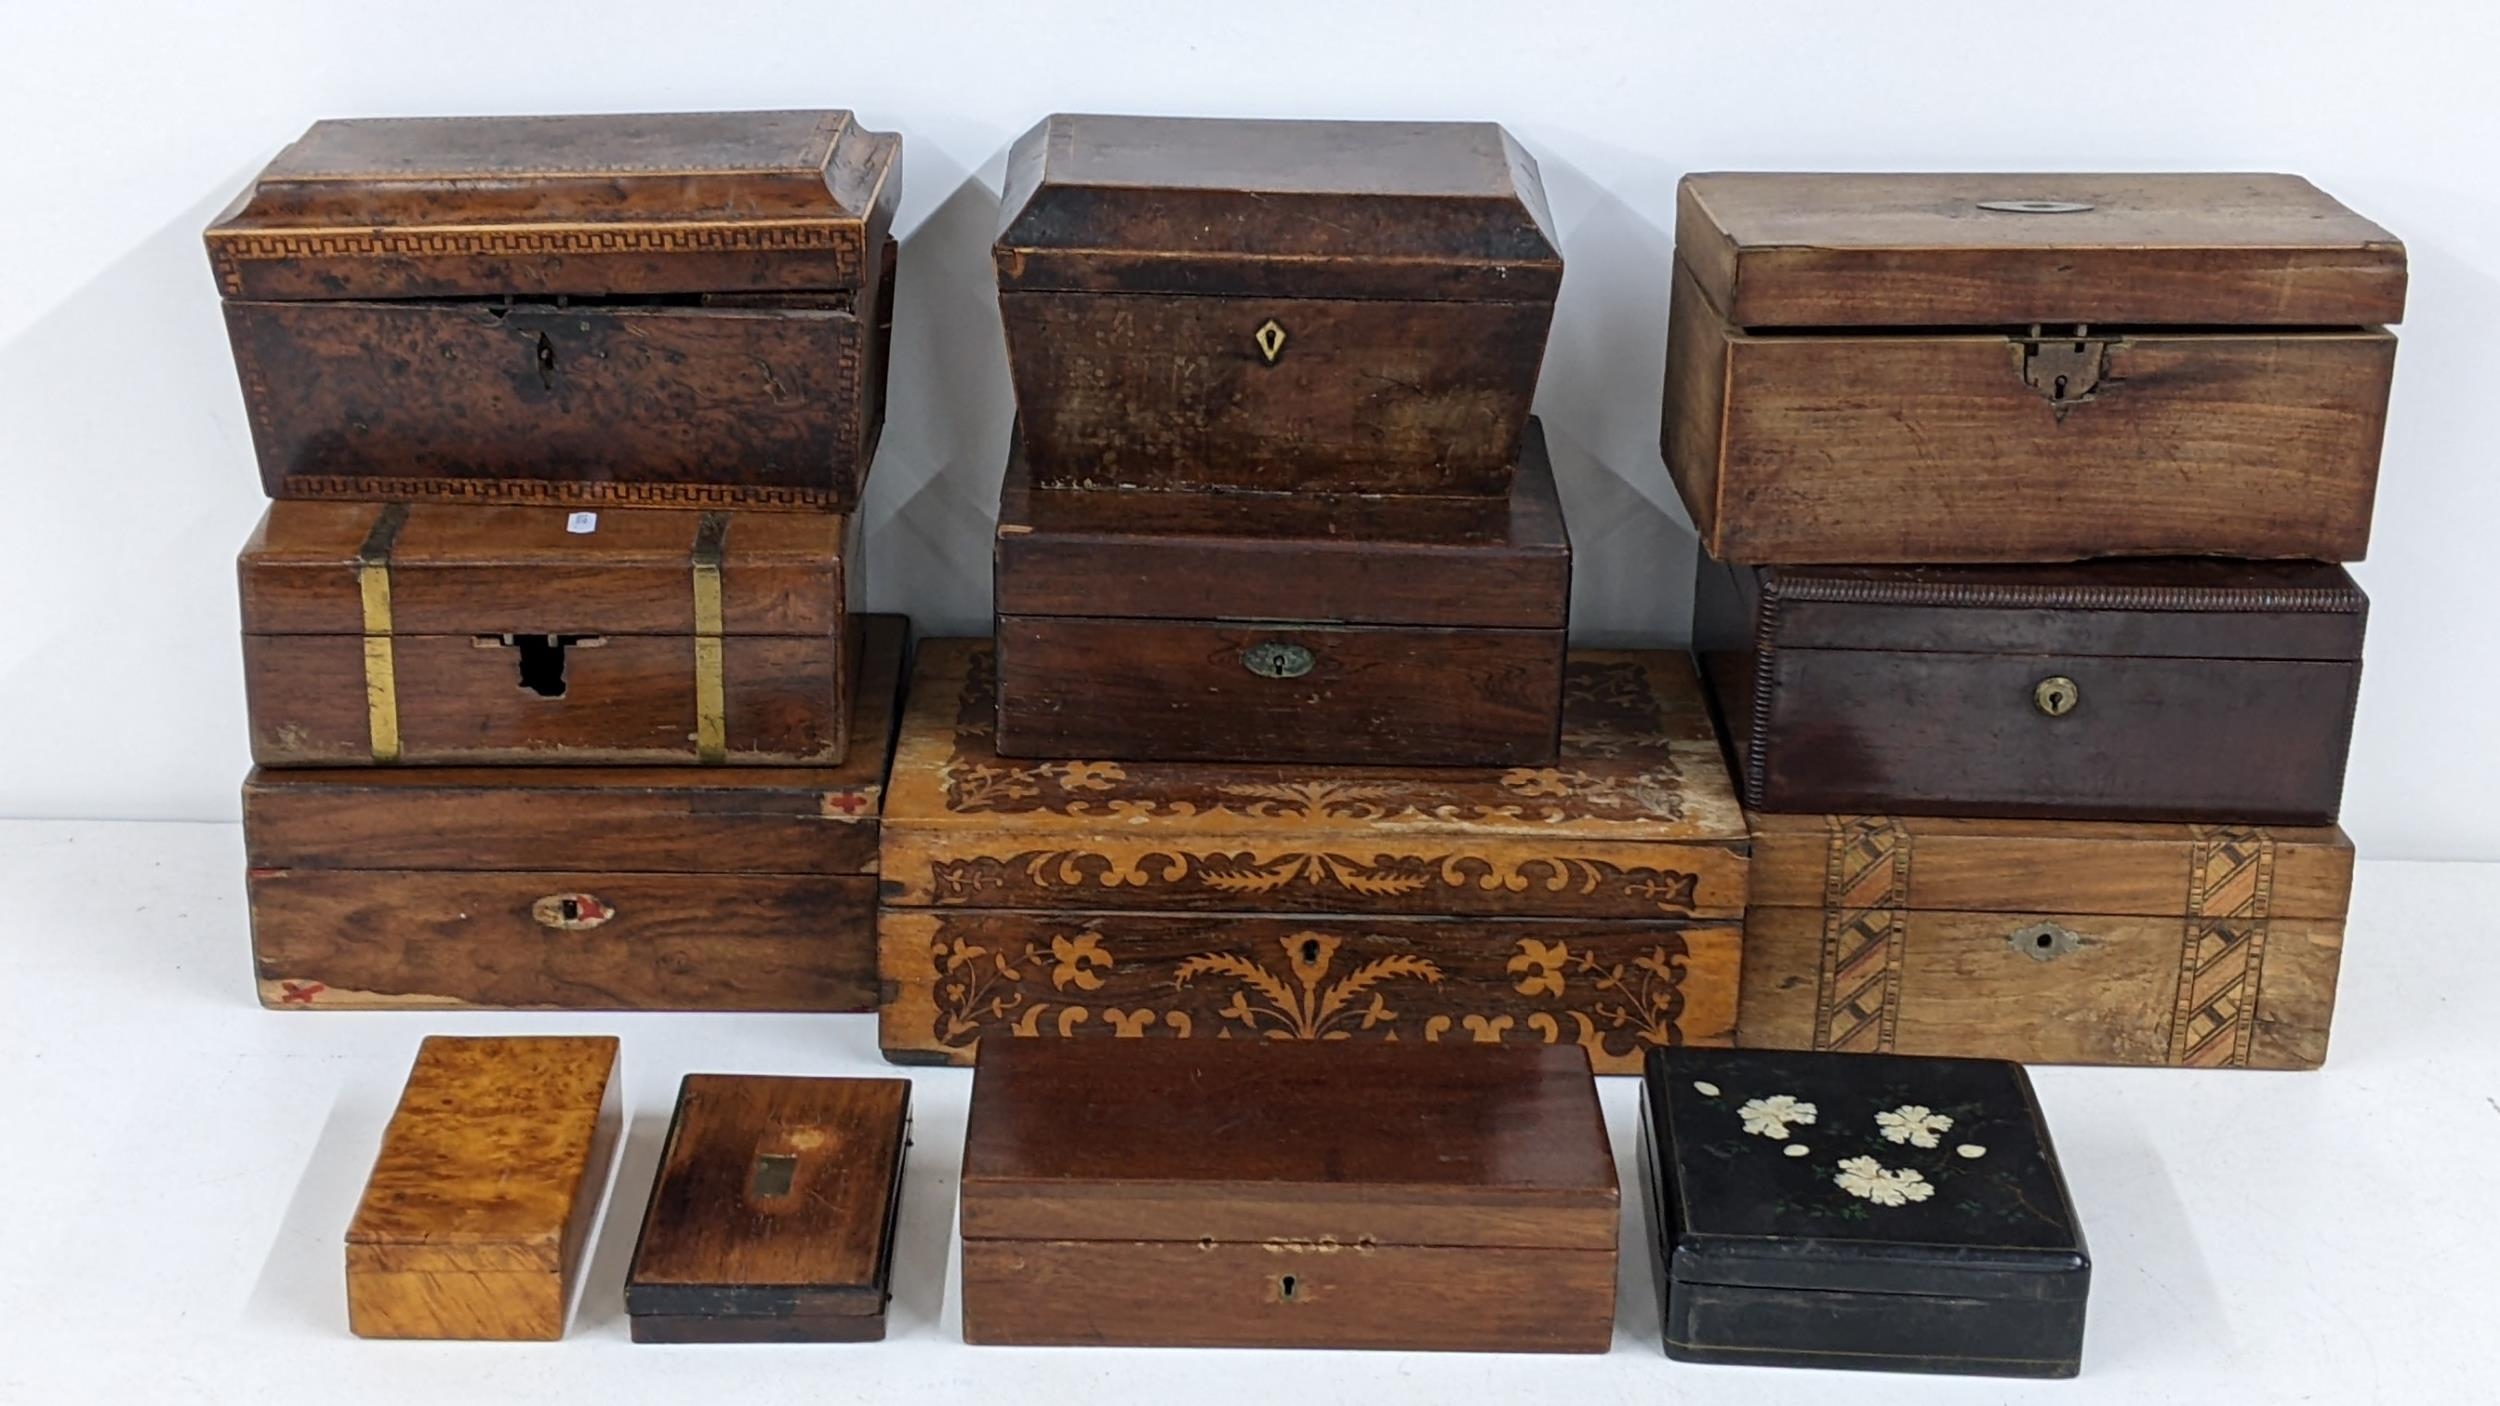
(1271, 340)
(2056, 695)
(1276, 660)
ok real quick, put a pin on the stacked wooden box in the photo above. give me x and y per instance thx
(2007, 798)
(1280, 735)
(557, 698)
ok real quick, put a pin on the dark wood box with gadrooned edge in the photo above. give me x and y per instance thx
(438, 633)
(679, 309)
(1591, 902)
(1283, 628)
(1216, 303)
(577, 888)
(2024, 368)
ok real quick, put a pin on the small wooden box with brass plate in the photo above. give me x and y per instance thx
(1250, 1193)
(2160, 689)
(1356, 307)
(1303, 628)
(772, 1218)
(1591, 902)
(2011, 368)
(434, 633)
(671, 310)
(2045, 942)
(476, 1220)
(584, 888)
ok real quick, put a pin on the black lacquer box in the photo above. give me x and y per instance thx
(1867, 1211)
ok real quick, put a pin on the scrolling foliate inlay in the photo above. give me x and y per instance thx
(1614, 996)
(1324, 880)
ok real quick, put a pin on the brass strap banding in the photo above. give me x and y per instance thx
(373, 586)
(711, 719)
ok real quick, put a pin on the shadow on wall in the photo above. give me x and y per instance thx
(933, 495)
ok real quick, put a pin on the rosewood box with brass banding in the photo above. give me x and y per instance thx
(440, 633)
(2017, 368)
(1253, 1193)
(686, 309)
(1357, 307)
(1593, 901)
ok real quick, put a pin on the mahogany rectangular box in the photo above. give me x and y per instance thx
(1864, 1211)
(1302, 628)
(2047, 942)
(1594, 902)
(476, 1219)
(1214, 303)
(584, 888)
(772, 1217)
(2010, 368)
(1252, 1194)
(2198, 690)
(436, 633)
(685, 309)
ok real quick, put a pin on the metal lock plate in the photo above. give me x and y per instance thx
(1271, 340)
(2065, 370)
(2056, 695)
(1277, 660)
(2044, 942)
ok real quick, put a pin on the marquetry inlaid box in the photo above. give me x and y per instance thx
(2045, 942)
(1592, 901)
(683, 309)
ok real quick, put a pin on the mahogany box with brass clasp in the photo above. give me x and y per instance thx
(2015, 368)
(1283, 627)
(443, 633)
(587, 888)
(1590, 902)
(686, 309)
(1205, 303)
(1249, 1193)
(772, 1217)
(2157, 689)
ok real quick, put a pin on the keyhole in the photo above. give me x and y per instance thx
(542, 661)
(2060, 390)
(571, 909)
(1287, 1287)
(2056, 696)
(1310, 950)
(546, 362)
(2044, 942)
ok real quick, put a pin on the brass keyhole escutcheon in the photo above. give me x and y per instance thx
(1271, 340)
(1275, 660)
(2056, 695)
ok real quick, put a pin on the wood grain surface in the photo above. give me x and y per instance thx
(474, 1220)
(773, 1208)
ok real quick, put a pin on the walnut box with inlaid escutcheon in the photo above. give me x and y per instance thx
(2015, 368)
(1593, 901)
(1254, 1193)
(772, 1217)
(437, 633)
(475, 1222)
(585, 888)
(2160, 689)
(2047, 942)
(1312, 628)
(1210, 303)
(687, 309)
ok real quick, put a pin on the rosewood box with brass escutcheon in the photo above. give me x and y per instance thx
(1206, 303)
(2012, 368)
(1592, 901)
(2157, 689)
(685, 310)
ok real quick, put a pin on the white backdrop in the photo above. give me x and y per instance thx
(130, 479)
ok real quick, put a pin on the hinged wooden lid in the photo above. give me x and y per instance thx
(1859, 1173)
(452, 568)
(1421, 210)
(2118, 868)
(1638, 808)
(615, 205)
(484, 1164)
(1332, 558)
(775, 1196)
(1357, 1144)
(1798, 249)
(2178, 608)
